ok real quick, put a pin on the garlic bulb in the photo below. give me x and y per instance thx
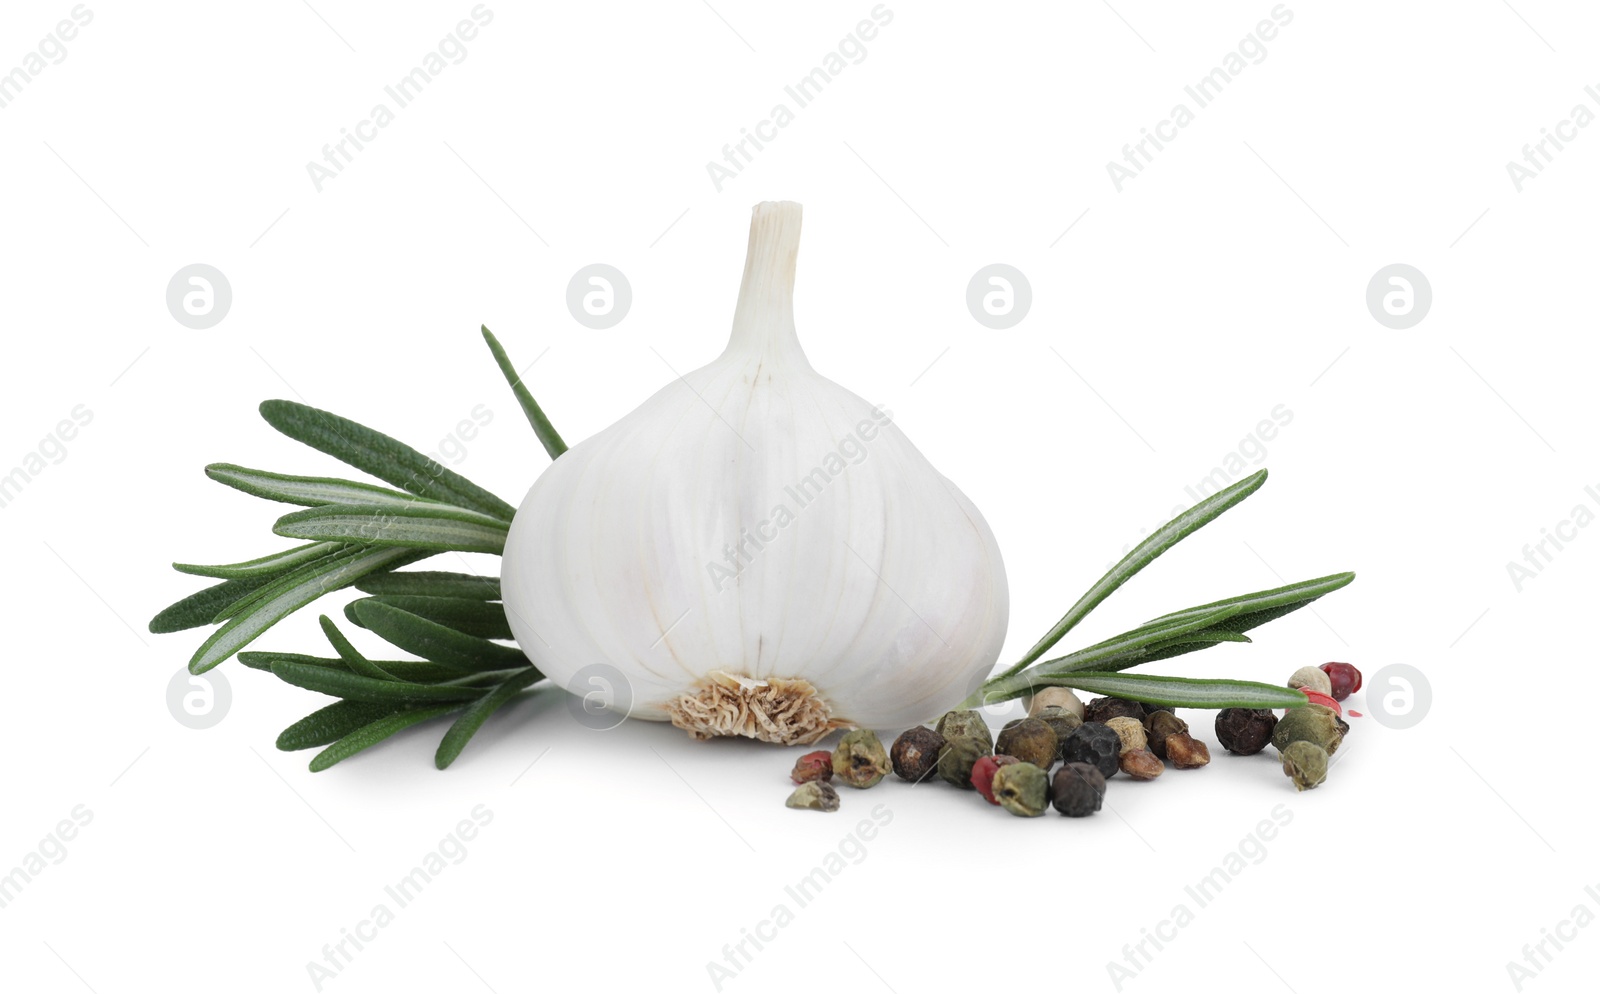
(756, 550)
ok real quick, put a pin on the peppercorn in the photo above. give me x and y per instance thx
(1306, 763)
(983, 772)
(1245, 731)
(1312, 723)
(1021, 789)
(1158, 725)
(1141, 764)
(1062, 722)
(1055, 697)
(965, 723)
(813, 766)
(1130, 731)
(960, 754)
(814, 795)
(1311, 678)
(1344, 678)
(1095, 744)
(859, 759)
(1030, 740)
(1103, 709)
(1187, 752)
(915, 753)
(1344, 727)
(1077, 790)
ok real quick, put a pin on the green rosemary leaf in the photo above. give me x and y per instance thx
(331, 723)
(432, 583)
(288, 593)
(1114, 653)
(1139, 638)
(266, 566)
(371, 735)
(352, 657)
(1177, 691)
(389, 460)
(541, 425)
(1166, 650)
(1144, 554)
(200, 608)
(1267, 605)
(355, 687)
(307, 491)
(408, 670)
(417, 526)
(472, 719)
(434, 641)
(485, 619)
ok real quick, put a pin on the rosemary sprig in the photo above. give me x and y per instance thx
(360, 533)
(1174, 634)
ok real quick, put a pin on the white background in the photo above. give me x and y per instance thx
(1227, 279)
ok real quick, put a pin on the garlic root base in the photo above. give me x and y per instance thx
(784, 711)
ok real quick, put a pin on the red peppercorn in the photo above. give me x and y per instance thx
(1346, 679)
(983, 772)
(1317, 697)
(813, 766)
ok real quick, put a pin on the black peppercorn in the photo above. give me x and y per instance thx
(1245, 731)
(1096, 744)
(1031, 740)
(915, 753)
(1103, 709)
(1077, 790)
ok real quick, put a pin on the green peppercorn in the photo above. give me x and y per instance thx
(1061, 721)
(1077, 790)
(816, 795)
(1306, 763)
(915, 753)
(1020, 789)
(859, 759)
(959, 754)
(1311, 723)
(1031, 740)
(965, 723)
(1245, 731)
(1160, 724)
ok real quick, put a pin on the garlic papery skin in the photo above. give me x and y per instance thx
(756, 550)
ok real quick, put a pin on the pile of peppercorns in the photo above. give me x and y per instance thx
(1305, 737)
(1093, 743)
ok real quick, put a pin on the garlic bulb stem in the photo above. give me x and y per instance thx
(764, 316)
